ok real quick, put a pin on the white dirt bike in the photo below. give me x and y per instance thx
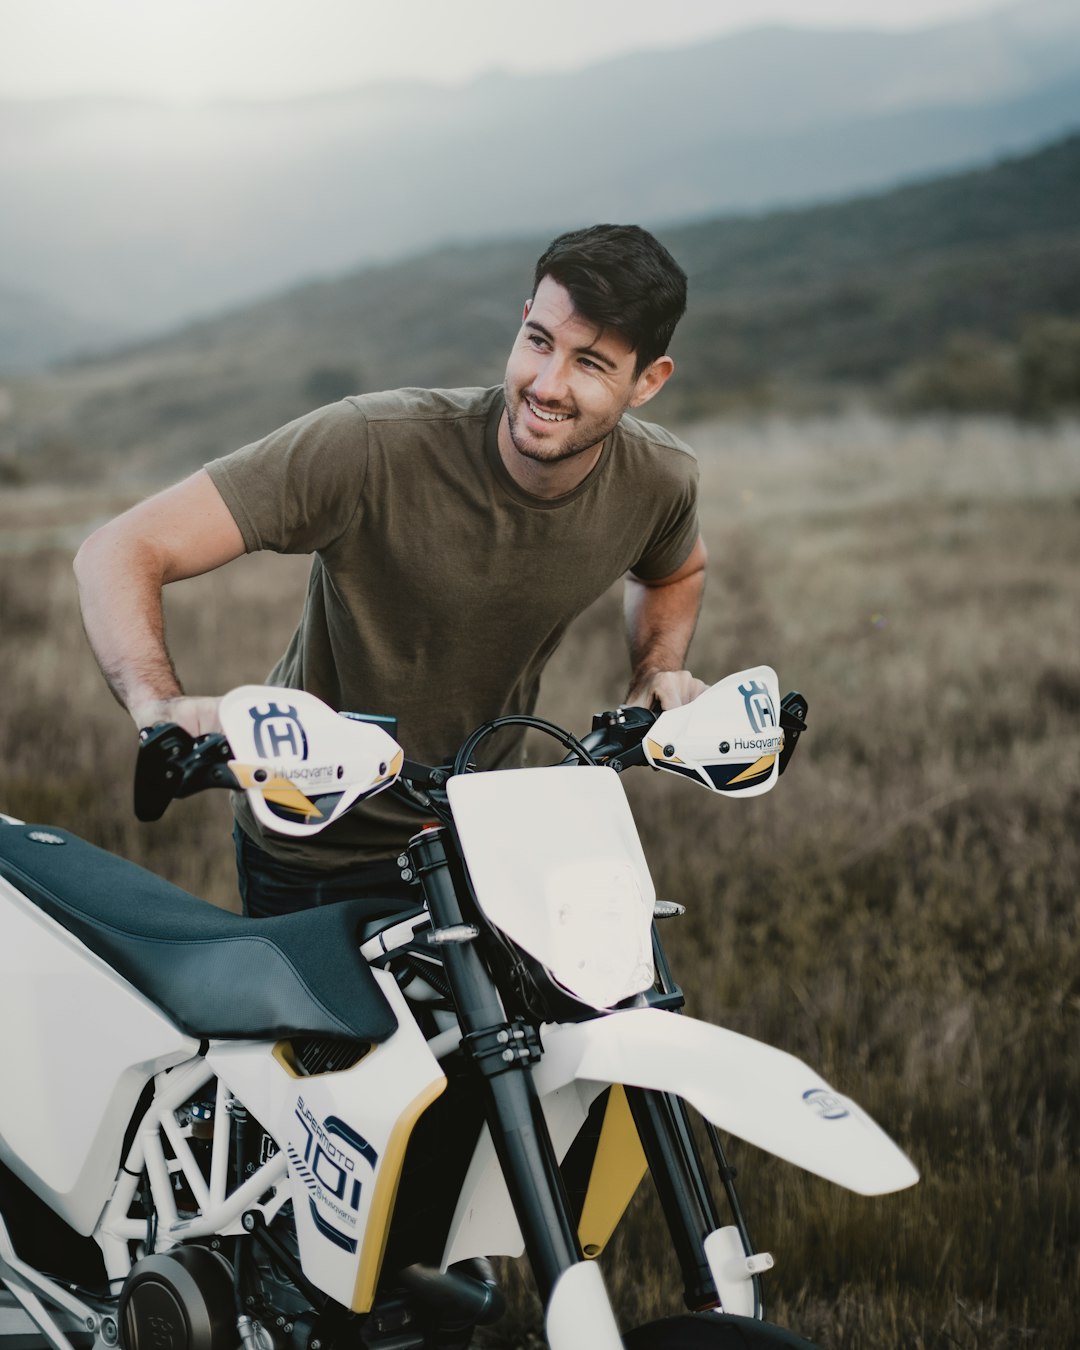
(310, 1132)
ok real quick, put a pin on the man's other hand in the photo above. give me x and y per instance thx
(669, 688)
(196, 715)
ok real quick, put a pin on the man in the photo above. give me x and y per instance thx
(456, 534)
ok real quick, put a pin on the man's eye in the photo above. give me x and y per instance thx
(589, 365)
(536, 340)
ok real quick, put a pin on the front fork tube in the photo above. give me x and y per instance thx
(664, 1129)
(514, 1113)
(663, 1124)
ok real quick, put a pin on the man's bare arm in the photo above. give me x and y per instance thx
(660, 620)
(121, 569)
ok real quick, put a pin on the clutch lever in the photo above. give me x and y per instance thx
(172, 763)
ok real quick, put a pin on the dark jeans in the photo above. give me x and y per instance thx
(269, 886)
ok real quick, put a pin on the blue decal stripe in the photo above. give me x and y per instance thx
(335, 1125)
(299, 1166)
(347, 1244)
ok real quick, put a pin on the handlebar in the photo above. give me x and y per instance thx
(172, 763)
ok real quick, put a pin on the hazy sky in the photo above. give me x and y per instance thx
(196, 49)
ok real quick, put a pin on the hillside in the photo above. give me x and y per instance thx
(961, 281)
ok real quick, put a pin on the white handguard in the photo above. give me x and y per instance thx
(728, 739)
(301, 764)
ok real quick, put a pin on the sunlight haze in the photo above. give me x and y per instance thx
(193, 50)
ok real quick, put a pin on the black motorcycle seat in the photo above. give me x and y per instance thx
(214, 974)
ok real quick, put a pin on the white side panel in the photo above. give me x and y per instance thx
(78, 1045)
(763, 1095)
(579, 1313)
(344, 1135)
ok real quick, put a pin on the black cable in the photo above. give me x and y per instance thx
(465, 754)
(727, 1177)
(81, 1289)
(428, 968)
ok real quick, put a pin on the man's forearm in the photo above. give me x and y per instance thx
(660, 621)
(121, 569)
(120, 598)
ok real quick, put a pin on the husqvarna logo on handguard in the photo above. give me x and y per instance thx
(279, 732)
(760, 710)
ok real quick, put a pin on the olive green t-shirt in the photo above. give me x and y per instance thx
(439, 587)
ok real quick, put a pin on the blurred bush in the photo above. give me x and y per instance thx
(1049, 366)
(1037, 376)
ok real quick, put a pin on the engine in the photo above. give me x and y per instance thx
(181, 1299)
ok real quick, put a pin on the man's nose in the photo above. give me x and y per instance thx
(549, 382)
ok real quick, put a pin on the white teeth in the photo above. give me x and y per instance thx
(546, 416)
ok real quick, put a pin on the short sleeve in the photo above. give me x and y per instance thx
(676, 530)
(297, 490)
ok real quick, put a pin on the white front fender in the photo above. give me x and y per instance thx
(763, 1095)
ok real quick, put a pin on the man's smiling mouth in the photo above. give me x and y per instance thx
(547, 416)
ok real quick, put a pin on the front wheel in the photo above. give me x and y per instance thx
(714, 1331)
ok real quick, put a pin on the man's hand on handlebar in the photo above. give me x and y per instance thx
(198, 716)
(668, 688)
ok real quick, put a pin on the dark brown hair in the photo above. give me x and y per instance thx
(622, 278)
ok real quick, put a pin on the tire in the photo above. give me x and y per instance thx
(714, 1331)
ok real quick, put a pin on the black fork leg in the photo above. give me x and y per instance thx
(514, 1114)
(675, 1163)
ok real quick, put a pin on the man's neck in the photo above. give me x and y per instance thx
(540, 479)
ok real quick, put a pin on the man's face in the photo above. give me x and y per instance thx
(567, 382)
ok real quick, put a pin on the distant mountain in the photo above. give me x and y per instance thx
(145, 214)
(35, 330)
(854, 293)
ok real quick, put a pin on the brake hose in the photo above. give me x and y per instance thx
(465, 754)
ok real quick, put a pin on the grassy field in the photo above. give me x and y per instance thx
(901, 912)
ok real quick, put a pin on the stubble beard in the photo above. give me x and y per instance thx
(584, 439)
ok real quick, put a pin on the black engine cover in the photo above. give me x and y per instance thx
(181, 1299)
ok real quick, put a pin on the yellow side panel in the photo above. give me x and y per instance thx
(617, 1170)
(382, 1203)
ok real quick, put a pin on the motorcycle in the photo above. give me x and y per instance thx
(312, 1131)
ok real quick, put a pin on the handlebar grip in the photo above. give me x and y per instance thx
(172, 763)
(156, 774)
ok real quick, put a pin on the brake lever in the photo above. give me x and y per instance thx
(617, 736)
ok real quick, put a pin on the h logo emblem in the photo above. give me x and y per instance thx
(279, 732)
(759, 706)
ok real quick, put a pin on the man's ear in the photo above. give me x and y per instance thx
(651, 380)
(525, 311)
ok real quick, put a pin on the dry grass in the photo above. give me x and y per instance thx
(901, 912)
